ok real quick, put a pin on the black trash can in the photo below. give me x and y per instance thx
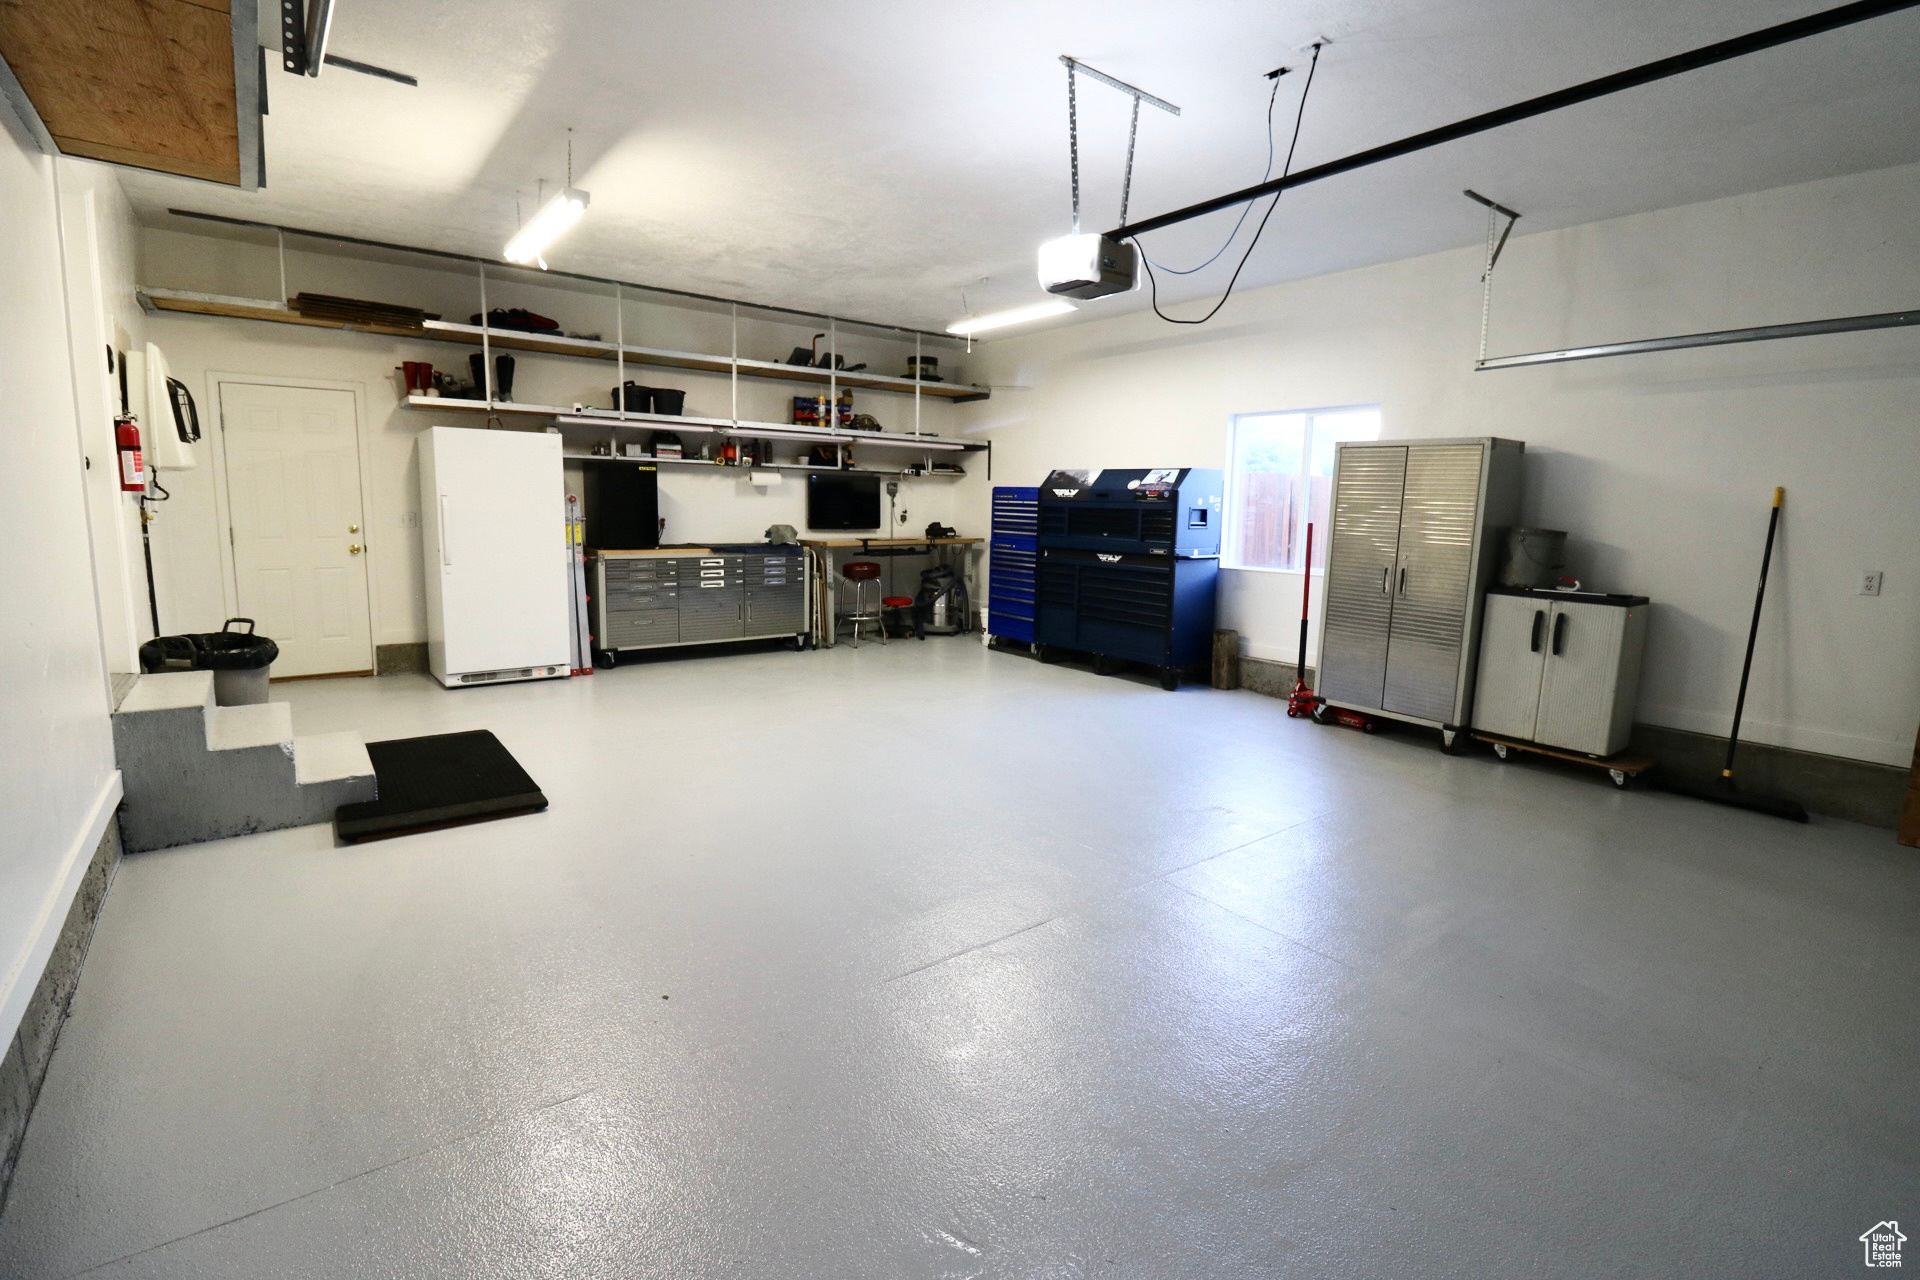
(240, 660)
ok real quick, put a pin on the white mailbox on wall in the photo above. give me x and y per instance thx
(1560, 668)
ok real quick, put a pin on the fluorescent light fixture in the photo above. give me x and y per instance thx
(1019, 315)
(548, 225)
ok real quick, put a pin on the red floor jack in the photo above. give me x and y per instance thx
(1303, 701)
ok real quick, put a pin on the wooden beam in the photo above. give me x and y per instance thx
(146, 83)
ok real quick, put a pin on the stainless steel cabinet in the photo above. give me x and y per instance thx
(1416, 528)
(1561, 669)
(646, 600)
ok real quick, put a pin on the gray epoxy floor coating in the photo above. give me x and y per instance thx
(928, 961)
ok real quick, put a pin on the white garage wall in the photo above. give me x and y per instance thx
(717, 505)
(1661, 466)
(58, 786)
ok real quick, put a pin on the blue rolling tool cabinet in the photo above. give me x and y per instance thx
(1012, 557)
(1129, 565)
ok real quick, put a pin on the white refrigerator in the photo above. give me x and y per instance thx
(493, 524)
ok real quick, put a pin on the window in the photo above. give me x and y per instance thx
(1280, 477)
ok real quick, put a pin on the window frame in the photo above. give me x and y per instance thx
(1230, 536)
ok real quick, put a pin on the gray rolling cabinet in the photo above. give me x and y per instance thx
(697, 595)
(1416, 530)
(1560, 668)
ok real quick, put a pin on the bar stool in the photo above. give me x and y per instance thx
(863, 574)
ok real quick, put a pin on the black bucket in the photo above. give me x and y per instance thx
(668, 401)
(239, 660)
(636, 398)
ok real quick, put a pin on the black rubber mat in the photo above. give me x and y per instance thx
(442, 780)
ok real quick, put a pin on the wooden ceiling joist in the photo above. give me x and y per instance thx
(154, 84)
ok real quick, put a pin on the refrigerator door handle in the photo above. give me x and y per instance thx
(1559, 634)
(1539, 624)
(1403, 580)
(446, 552)
(1386, 574)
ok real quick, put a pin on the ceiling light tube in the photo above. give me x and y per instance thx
(1018, 315)
(531, 241)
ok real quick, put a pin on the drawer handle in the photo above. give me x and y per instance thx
(721, 561)
(713, 584)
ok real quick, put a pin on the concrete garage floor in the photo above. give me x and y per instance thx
(926, 961)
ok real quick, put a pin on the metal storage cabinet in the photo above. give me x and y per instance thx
(1015, 554)
(644, 601)
(776, 596)
(1561, 669)
(713, 599)
(1417, 526)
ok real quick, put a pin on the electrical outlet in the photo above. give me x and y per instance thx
(409, 519)
(1870, 582)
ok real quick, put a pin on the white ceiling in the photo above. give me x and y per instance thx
(875, 159)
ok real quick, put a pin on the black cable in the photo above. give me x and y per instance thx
(1245, 209)
(1154, 284)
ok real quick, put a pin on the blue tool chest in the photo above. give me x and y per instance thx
(1013, 553)
(1128, 567)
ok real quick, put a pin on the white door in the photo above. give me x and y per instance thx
(299, 525)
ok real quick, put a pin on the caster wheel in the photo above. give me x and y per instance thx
(1319, 714)
(1371, 726)
(1042, 654)
(606, 658)
(1500, 750)
(1169, 680)
(1620, 779)
(1102, 666)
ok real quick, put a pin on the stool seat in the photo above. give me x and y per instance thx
(860, 571)
(897, 602)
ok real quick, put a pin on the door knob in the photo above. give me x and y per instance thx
(353, 528)
(353, 549)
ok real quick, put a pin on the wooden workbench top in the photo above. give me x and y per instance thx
(887, 542)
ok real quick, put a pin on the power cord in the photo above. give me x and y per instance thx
(1153, 282)
(1245, 209)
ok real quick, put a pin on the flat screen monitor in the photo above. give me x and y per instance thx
(836, 500)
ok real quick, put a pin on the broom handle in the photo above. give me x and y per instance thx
(1753, 633)
(1306, 587)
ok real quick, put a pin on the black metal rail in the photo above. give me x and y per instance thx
(1660, 69)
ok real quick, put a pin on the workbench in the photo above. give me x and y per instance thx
(824, 577)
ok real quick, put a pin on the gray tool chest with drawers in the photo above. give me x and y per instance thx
(696, 595)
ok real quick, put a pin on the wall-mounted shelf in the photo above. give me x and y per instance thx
(743, 429)
(708, 464)
(555, 344)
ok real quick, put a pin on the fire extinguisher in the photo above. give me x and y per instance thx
(133, 469)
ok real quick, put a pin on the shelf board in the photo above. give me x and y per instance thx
(743, 429)
(711, 465)
(598, 349)
(205, 304)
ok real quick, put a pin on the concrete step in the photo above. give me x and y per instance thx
(332, 769)
(330, 757)
(196, 771)
(262, 724)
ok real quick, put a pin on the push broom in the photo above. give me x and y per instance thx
(1724, 790)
